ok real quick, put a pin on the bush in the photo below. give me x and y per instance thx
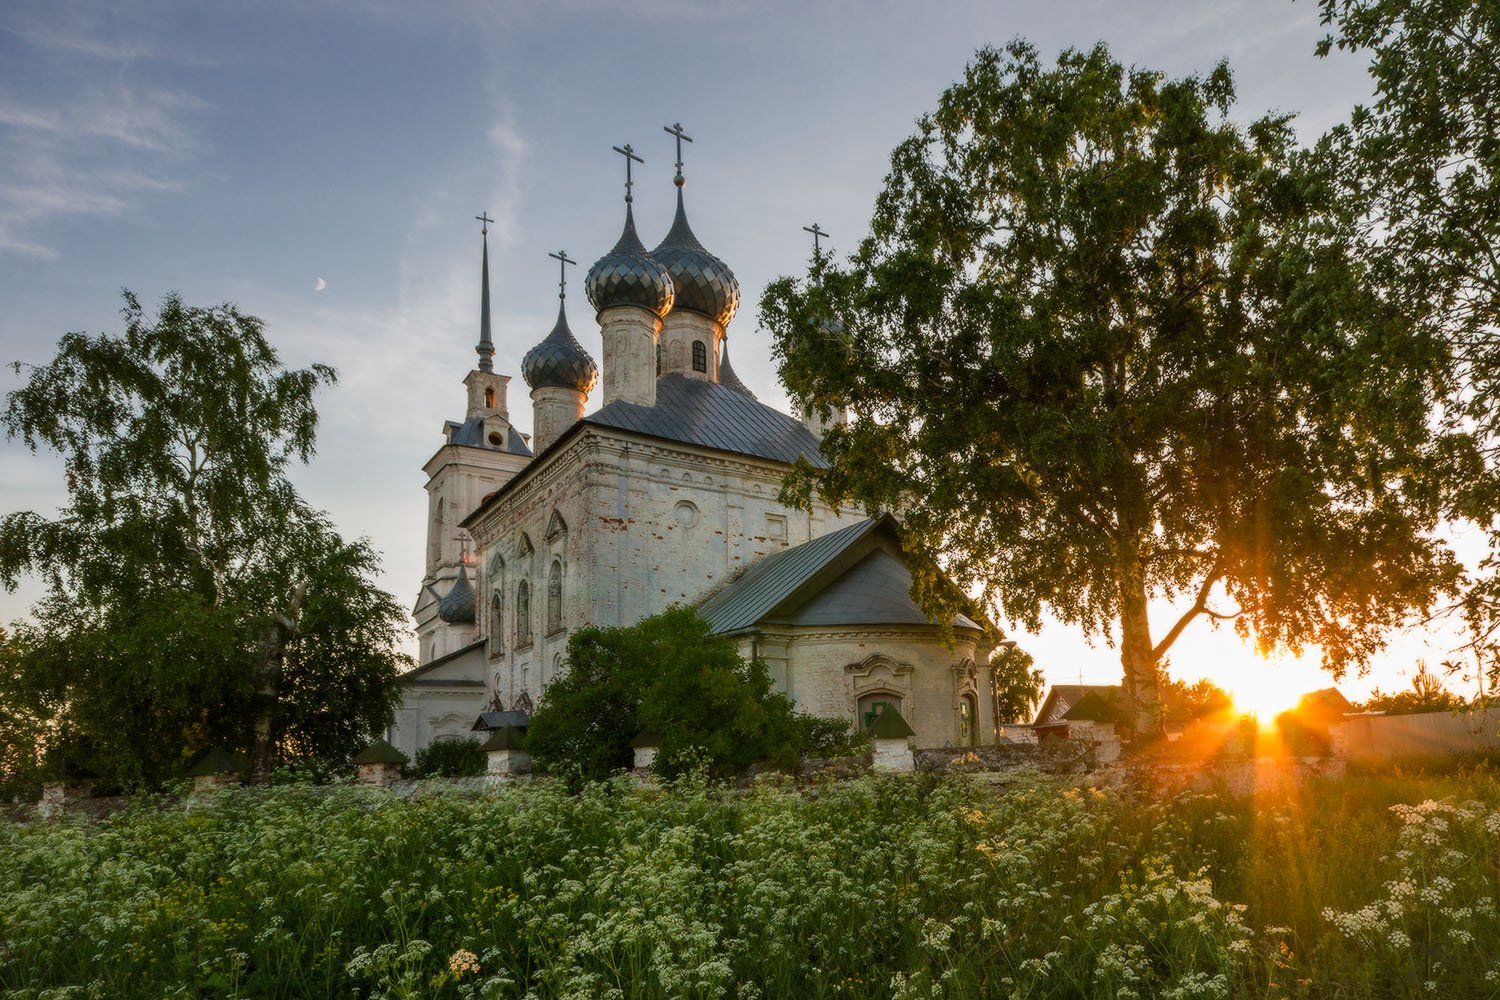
(670, 675)
(449, 757)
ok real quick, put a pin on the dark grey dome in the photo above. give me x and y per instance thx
(703, 283)
(629, 276)
(727, 377)
(560, 360)
(457, 606)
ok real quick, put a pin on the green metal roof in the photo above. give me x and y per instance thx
(379, 752)
(889, 725)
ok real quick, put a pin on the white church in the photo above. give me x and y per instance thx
(663, 494)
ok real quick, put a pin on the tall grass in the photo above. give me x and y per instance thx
(881, 887)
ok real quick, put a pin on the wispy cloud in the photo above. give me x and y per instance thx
(82, 133)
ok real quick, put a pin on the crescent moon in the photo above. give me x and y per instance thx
(320, 285)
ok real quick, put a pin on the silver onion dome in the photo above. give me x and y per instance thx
(457, 606)
(560, 360)
(629, 276)
(703, 283)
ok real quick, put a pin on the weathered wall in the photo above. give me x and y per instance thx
(826, 671)
(649, 525)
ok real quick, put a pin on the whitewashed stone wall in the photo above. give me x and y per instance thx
(649, 525)
(827, 671)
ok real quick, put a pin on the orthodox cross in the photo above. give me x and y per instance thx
(629, 155)
(563, 260)
(676, 129)
(485, 220)
(817, 234)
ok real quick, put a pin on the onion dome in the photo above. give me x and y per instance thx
(457, 606)
(560, 360)
(727, 377)
(629, 276)
(703, 283)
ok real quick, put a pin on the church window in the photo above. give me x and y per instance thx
(554, 598)
(435, 534)
(489, 397)
(968, 721)
(658, 359)
(495, 439)
(700, 356)
(497, 624)
(523, 614)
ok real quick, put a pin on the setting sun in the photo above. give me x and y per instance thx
(1260, 685)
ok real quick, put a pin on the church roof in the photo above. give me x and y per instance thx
(776, 577)
(457, 606)
(853, 576)
(470, 434)
(710, 415)
(727, 375)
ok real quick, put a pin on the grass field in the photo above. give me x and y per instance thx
(1371, 886)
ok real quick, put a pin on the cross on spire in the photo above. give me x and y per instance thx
(630, 156)
(486, 347)
(563, 260)
(676, 129)
(817, 234)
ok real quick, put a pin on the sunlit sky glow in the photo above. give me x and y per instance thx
(319, 164)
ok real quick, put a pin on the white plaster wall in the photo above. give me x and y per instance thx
(827, 671)
(650, 524)
(427, 714)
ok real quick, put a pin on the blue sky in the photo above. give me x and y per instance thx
(241, 152)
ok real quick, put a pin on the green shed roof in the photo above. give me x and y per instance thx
(645, 738)
(380, 752)
(889, 725)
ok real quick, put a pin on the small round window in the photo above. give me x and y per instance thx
(496, 439)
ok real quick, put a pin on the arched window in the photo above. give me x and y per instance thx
(658, 359)
(435, 534)
(489, 397)
(968, 721)
(523, 614)
(554, 597)
(700, 356)
(497, 624)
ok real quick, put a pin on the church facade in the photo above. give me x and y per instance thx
(665, 494)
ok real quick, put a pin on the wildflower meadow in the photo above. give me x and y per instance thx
(885, 886)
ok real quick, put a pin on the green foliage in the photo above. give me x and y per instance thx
(1423, 159)
(818, 736)
(193, 598)
(1183, 702)
(452, 757)
(21, 727)
(1105, 344)
(1426, 694)
(1018, 684)
(667, 674)
(881, 887)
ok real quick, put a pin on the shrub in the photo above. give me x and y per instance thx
(671, 675)
(449, 757)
